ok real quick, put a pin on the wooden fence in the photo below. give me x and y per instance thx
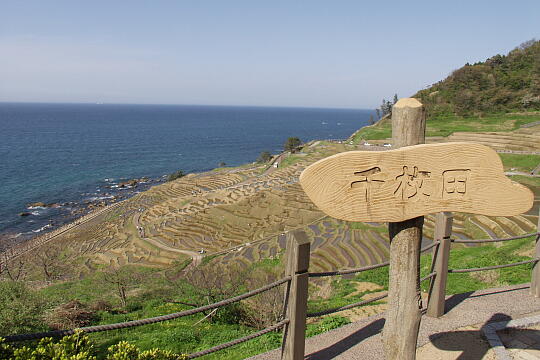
(296, 281)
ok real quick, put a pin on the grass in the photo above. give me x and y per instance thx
(525, 163)
(289, 160)
(460, 257)
(154, 295)
(243, 166)
(364, 226)
(374, 132)
(444, 126)
(525, 180)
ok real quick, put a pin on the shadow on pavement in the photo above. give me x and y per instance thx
(468, 341)
(346, 343)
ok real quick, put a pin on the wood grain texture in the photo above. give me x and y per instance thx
(400, 333)
(401, 184)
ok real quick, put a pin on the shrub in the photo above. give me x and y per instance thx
(126, 351)
(70, 315)
(101, 305)
(79, 347)
(264, 157)
(175, 175)
(72, 347)
(21, 310)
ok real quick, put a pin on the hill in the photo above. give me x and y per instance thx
(502, 83)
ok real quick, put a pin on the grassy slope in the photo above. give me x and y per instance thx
(156, 296)
(525, 163)
(502, 83)
(446, 125)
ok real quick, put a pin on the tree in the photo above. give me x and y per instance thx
(378, 111)
(14, 270)
(222, 164)
(50, 261)
(203, 285)
(175, 175)
(266, 308)
(123, 278)
(371, 121)
(264, 157)
(395, 99)
(292, 144)
(386, 107)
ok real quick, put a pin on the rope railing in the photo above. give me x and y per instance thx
(300, 295)
(346, 307)
(471, 241)
(360, 303)
(428, 276)
(349, 271)
(152, 320)
(430, 246)
(492, 267)
(364, 268)
(240, 340)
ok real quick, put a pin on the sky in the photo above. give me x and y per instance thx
(343, 54)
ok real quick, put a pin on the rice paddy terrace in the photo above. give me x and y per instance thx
(240, 215)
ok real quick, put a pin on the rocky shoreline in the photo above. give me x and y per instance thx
(42, 217)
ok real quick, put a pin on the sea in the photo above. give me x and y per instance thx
(71, 155)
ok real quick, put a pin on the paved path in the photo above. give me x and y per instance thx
(362, 339)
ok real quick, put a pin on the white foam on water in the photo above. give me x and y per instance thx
(42, 228)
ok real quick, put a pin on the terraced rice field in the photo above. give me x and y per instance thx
(242, 215)
(335, 244)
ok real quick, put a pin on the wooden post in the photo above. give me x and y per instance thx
(441, 253)
(403, 316)
(294, 338)
(535, 278)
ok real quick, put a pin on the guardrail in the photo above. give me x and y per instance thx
(293, 319)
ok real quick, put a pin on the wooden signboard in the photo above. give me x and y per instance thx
(396, 185)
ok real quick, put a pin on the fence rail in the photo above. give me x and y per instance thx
(226, 345)
(493, 267)
(473, 241)
(147, 321)
(296, 293)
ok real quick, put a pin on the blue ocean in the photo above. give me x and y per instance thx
(70, 154)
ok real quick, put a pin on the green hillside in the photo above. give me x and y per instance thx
(502, 83)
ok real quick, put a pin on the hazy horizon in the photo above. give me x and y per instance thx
(240, 53)
(168, 104)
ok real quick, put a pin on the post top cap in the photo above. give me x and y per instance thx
(408, 102)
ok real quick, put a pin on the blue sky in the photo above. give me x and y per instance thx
(275, 53)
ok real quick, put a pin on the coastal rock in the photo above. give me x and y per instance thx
(25, 214)
(129, 183)
(36, 204)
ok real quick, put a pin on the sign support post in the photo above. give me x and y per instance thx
(404, 300)
(402, 185)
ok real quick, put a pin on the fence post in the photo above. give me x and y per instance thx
(294, 338)
(535, 277)
(441, 253)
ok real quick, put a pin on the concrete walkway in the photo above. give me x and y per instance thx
(460, 327)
